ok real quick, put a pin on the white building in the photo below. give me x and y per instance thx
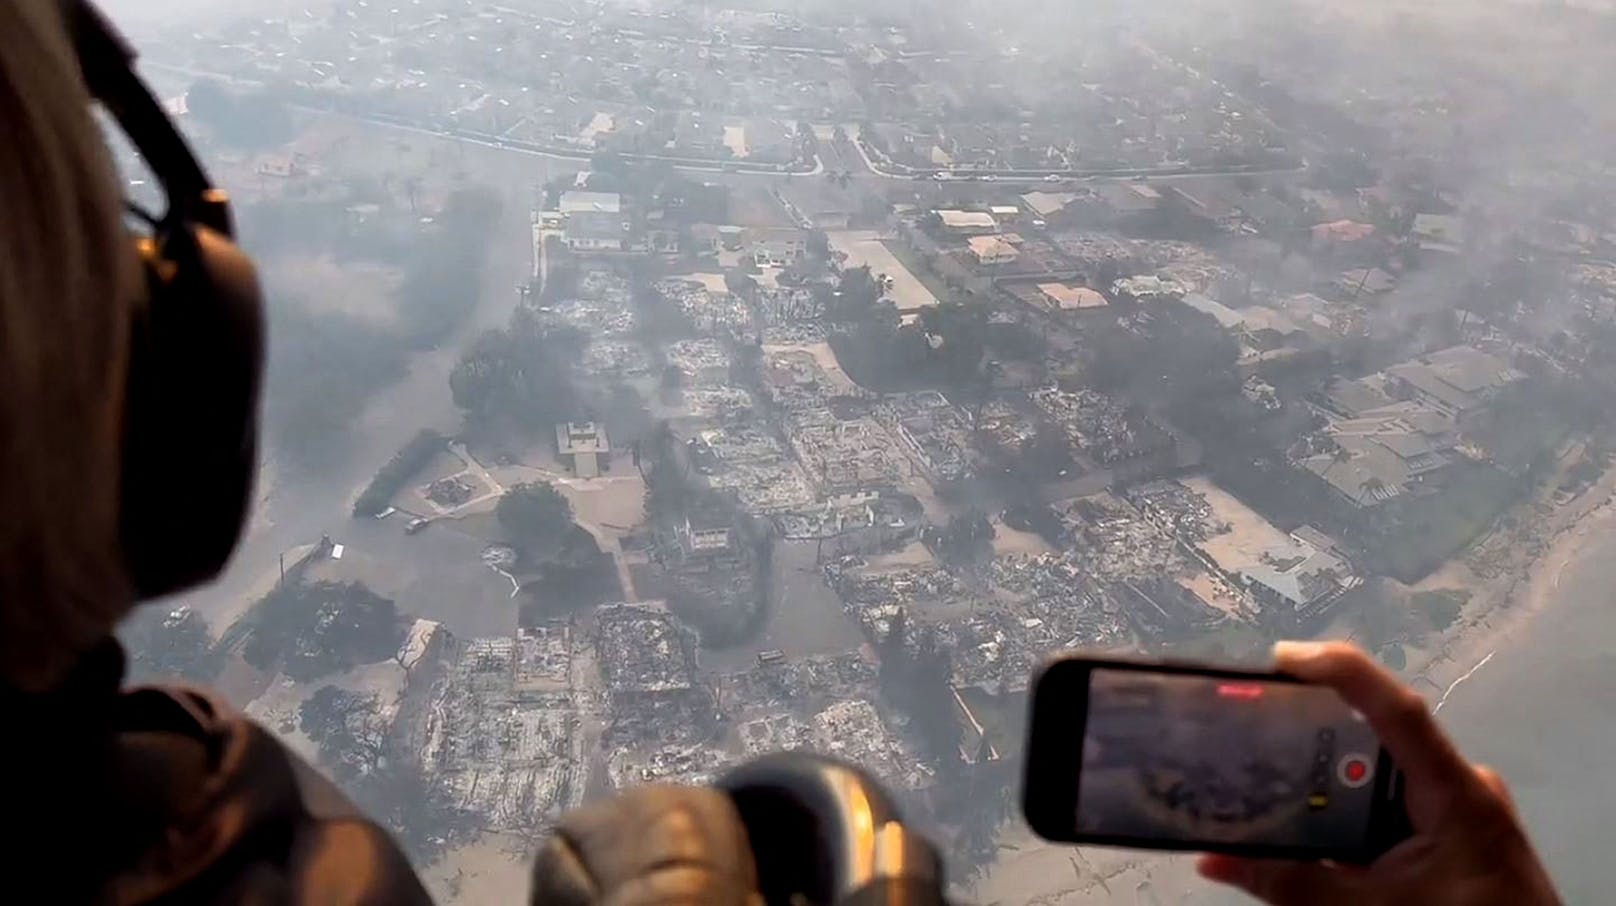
(585, 444)
(968, 221)
(590, 202)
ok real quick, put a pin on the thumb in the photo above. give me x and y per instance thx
(1283, 883)
(1495, 784)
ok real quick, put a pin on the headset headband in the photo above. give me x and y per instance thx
(107, 61)
(196, 347)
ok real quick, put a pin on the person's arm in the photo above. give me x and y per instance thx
(1468, 845)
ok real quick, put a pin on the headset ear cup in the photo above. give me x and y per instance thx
(191, 410)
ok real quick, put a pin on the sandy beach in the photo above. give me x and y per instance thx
(1501, 606)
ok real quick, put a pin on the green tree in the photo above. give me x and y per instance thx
(672, 377)
(1441, 606)
(310, 630)
(854, 297)
(818, 244)
(346, 727)
(739, 283)
(892, 648)
(967, 538)
(1393, 656)
(955, 336)
(169, 644)
(518, 376)
(535, 517)
(409, 460)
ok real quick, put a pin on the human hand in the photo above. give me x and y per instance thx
(652, 845)
(1468, 845)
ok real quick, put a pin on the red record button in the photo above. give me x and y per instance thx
(1353, 770)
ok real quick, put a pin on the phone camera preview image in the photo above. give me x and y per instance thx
(1243, 762)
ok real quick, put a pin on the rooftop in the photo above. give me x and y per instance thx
(1046, 203)
(1370, 280)
(596, 225)
(1442, 228)
(1455, 377)
(1067, 297)
(1129, 198)
(967, 220)
(1342, 231)
(1354, 398)
(1226, 317)
(581, 437)
(600, 202)
(991, 247)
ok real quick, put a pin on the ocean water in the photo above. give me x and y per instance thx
(1543, 713)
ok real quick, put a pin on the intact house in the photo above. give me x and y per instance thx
(1069, 297)
(705, 533)
(589, 202)
(597, 231)
(782, 247)
(990, 250)
(967, 223)
(1442, 234)
(1298, 581)
(1391, 430)
(584, 446)
(1459, 380)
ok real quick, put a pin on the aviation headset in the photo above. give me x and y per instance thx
(190, 423)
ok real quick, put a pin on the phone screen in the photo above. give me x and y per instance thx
(1187, 758)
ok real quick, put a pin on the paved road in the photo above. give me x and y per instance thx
(887, 170)
(859, 164)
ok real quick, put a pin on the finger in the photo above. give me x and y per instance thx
(1283, 883)
(1494, 784)
(1398, 714)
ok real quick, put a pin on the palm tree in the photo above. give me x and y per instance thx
(1337, 456)
(1373, 486)
(412, 185)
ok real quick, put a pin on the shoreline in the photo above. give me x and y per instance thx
(1502, 607)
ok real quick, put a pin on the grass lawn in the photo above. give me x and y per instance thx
(932, 281)
(1414, 537)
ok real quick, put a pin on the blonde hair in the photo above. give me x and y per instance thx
(68, 280)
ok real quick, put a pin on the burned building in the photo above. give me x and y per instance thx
(647, 660)
(500, 734)
(1104, 431)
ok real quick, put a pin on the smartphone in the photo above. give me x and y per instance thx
(1187, 757)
